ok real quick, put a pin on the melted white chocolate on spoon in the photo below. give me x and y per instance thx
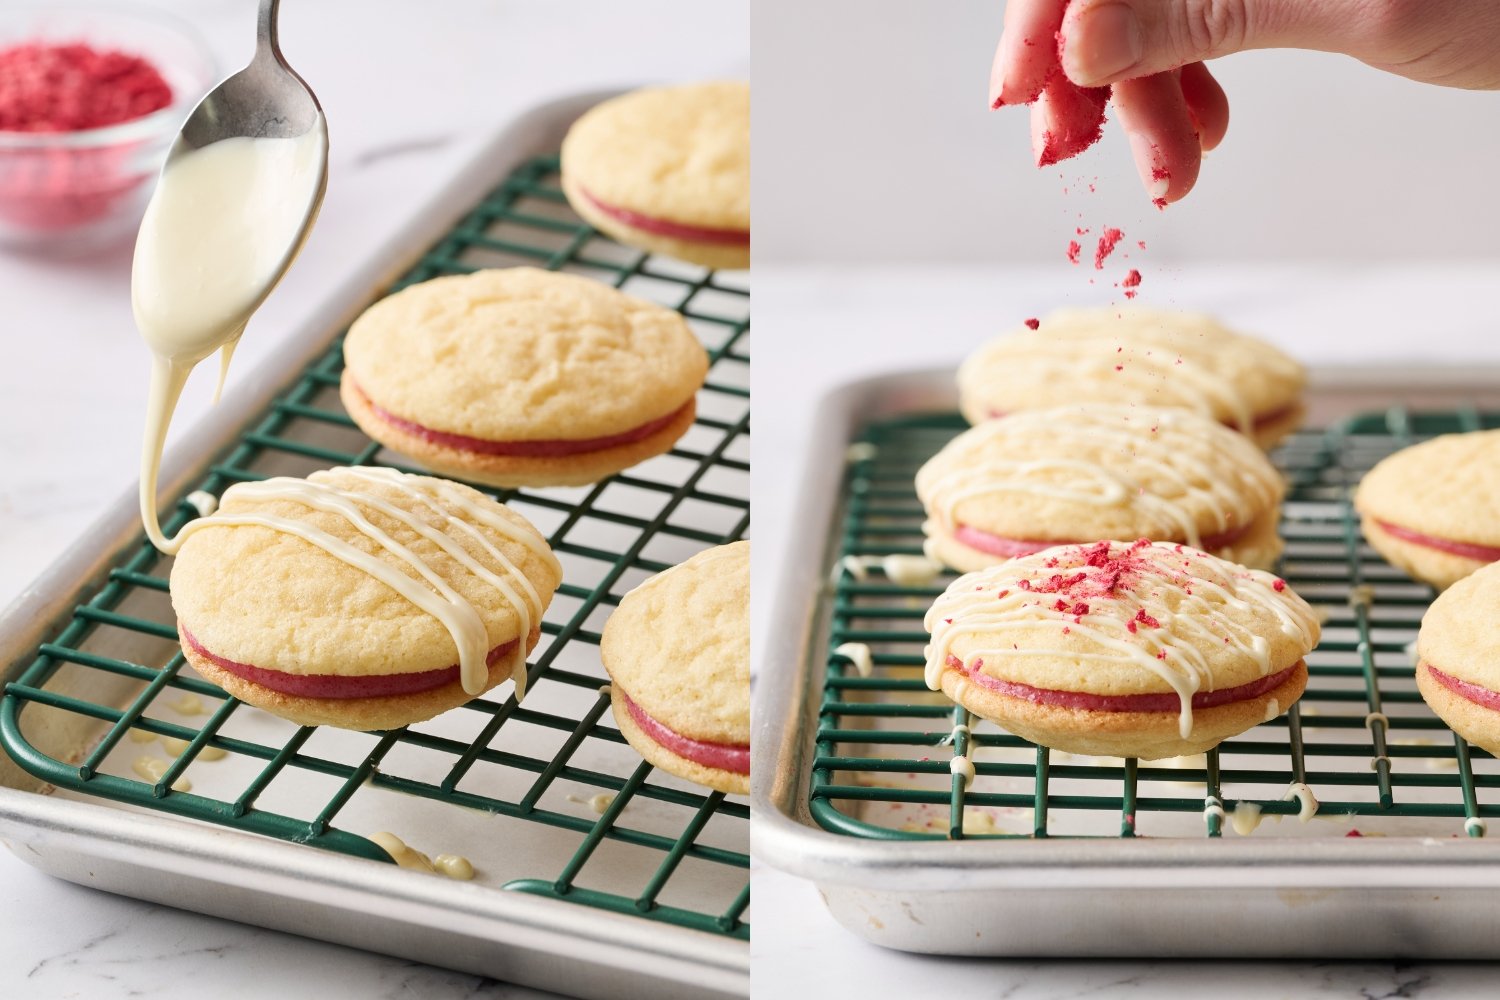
(215, 238)
(436, 597)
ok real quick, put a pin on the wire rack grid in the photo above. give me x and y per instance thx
(1360, 741)
(688, 863)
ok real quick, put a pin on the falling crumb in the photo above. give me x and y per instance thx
(1033, 323)
(1107, 243)
(1074, 248)
(1141, 244)
(1132, 279)
(1160, 203)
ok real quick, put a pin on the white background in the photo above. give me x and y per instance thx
(874, 142)
(410, 89)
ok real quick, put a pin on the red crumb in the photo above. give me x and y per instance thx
(1033, 323)
(1024, 585)
(1107, 243)
(1160, 203)
(1354, 833)
(1132, 279)
(1141, 244)
(1002, 594)
(1073, 250)
(1081, 231)
(1160, 174)
(1130, 293)
(1130, 627)
(1279, 586)
(1161, 654)
(66, 88)
(1146, 619)
(1066, 630)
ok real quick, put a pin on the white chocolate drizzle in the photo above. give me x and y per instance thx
(858, 654)
(990, 605)
(455, 866)
(437, 598)
(400, 853)
(153, 770)
(911, 571)
(964, 766)
(1307, 802)
(1104, 457)
(1245, 818)
(1085, 347)
(1213, 807)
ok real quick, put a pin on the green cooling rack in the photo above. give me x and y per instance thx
(492, 756)
(1361, 738)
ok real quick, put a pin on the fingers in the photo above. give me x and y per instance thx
(1106, 41)
(1066, 120)
(1155, 116)
(1206, 103)
(1027, 53)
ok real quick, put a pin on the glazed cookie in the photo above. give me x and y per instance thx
(359, 597)
(1039, 478)
(1125, 649)
(1429, 508)
(1458, 658)
(521, 377)
(667, 169)
(678, 654)
(1137, 355)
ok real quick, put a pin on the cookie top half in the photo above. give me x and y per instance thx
(679, 646)
(274, 578)
(1447, 488)
(1078, 473)
(1457, 635)
(681, 154)
(1117, 618)
(521, 354)
(1131, 355)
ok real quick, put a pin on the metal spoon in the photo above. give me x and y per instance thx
(266, 99)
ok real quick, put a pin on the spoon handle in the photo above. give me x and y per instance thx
(266, 37)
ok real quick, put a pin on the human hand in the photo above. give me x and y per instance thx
(1059, 55)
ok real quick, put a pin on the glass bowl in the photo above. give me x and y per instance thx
(75, 191)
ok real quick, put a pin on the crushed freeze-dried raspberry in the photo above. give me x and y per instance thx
(1033, 323)
(1107, 242)
(1074, 248)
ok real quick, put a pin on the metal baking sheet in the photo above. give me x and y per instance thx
(554, 945)
(1428, 894)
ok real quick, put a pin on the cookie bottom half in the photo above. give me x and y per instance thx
(715, 256)
(1145, 735)
(511, 471)
(1471, 720)
(663, 758)
(387, 712)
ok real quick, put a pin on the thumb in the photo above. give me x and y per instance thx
(1105, 41)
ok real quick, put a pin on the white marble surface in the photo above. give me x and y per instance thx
(410, 91)
(820, 327)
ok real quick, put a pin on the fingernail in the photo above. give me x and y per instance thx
(1147, 155)
(997, 78)
(1105, 42)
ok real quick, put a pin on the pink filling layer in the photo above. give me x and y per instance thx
(724, 756)
(1010, 548)
(1125, 702)
(1469, 550)
(526, 449)
(330, 686)
(666, 227)
(1481, 696)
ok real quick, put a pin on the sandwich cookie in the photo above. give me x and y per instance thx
(1428, 509)
(667, 169)
(1137, 355)
(1458, 658)
(677, 650)
(1039, 478)
(1140, 649)
(522, 377)
(360, 597)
